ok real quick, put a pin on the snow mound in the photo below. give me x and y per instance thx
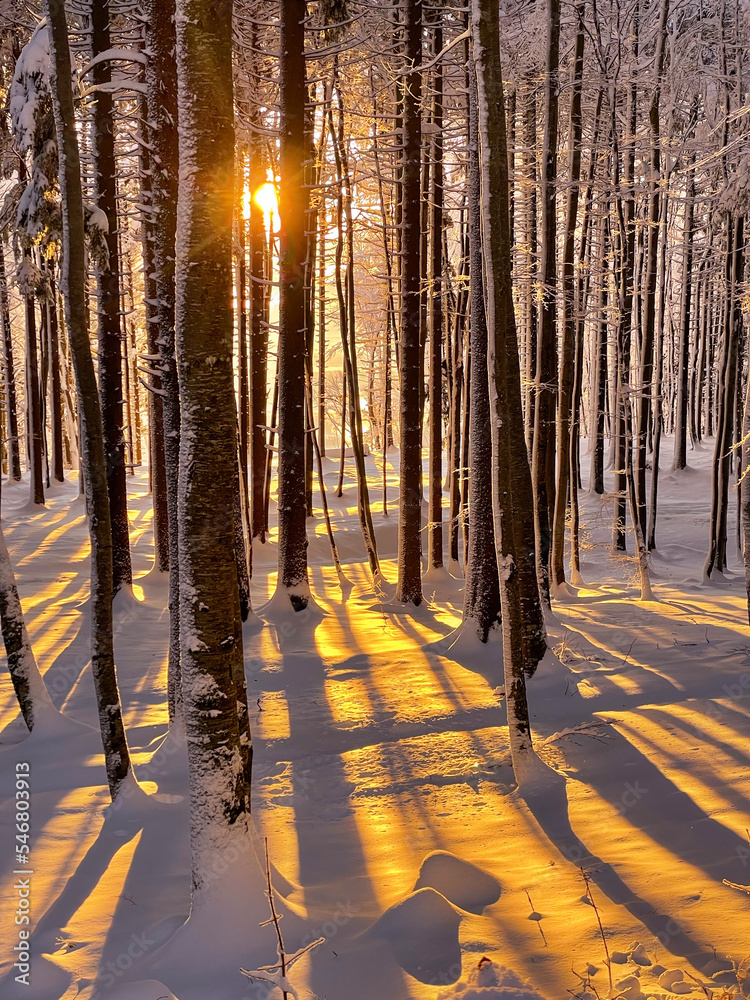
(491, 982)
(461, 882)
(422, 931)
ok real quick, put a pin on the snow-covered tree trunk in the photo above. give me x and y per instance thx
(569, 320)
(258, 254)
(109, 301)
(31, 691)
(34, 429)
(647, 359)
(55, 387)
(409, 589)
(93, 463)
(157, 472)
(482, 591)
(11, 407)
(679, 460)
(545, 373)
(347, 323)
(293, 199)
(210, 629)
(161, 81)
(598, 388)
(726, 389)
(523, 626)
(745, 492)
(435, 478)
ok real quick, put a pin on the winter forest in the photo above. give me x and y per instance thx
(375, 542)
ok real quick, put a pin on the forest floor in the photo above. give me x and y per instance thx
(382, 785)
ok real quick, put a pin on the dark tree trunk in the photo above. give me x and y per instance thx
(569, 319)
(108, 277)
(545, 377)
(523, 626)
(93, 457)
(33, 404)
(530, 265)
(215, 708)
(11, 406)
(292, 509)
(435, 514)
(683, 352)
(157, 469)
(161, 77)
(410, 512)
(258, 354)
(482, 590)
(28, 684)
(727, 387)
(55, 389)
(599, 378)
(644, 410)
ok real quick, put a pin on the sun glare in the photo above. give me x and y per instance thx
(265, 198)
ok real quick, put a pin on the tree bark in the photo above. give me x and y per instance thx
(569, 319)
(523, 626)
(292, 508)
(219, 749)
(11, 406)
(409, 590)
(55, 389)
(482, 590)
(679, 460)
(93, 460)
(33, 400)
(545, 377)
(31, 691)
(435, 511)
(108, 283)
(161, 80)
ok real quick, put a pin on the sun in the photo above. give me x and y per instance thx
(265, 198)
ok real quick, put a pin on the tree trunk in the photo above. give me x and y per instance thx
(570, 322)
(161, 79)
(727, 387)
(435, 513)
(598, 389)
(219, 751)
(683, 353)
(93, 459)
(512, 490)
(259, 254)
(482, 590)
(409, 589)
(33, 401)
(11, 406)
(643, 412)
(292, 508)
(31, 691)
(545, 376)
(55, 390)
(157, 468)
(108, 279)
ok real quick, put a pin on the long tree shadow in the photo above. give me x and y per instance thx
(330, 849)
(666, 815)
(550, 808)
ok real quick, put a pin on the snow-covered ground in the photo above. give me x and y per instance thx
(382, 787)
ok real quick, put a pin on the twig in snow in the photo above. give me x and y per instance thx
(587, 883)
(536, 917)
(276, 974)
(630, 650)
(735, 885)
